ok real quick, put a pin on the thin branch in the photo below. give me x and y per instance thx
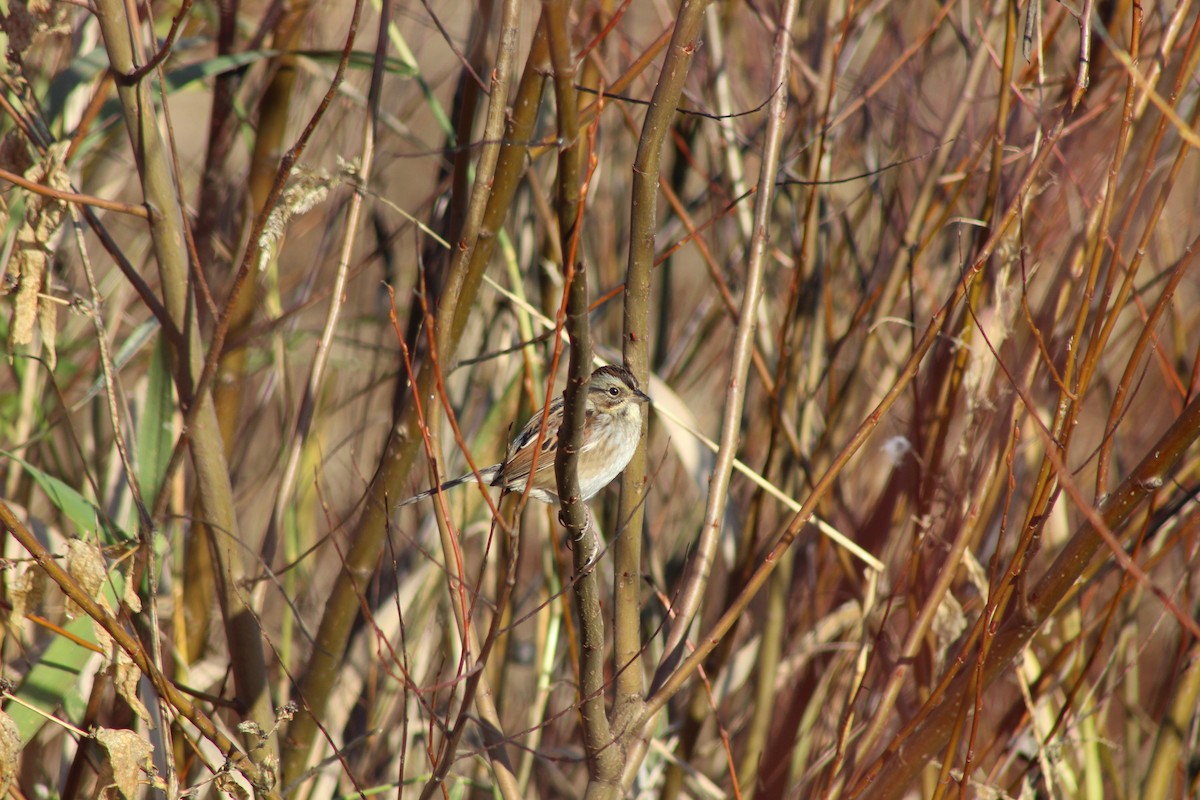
(72, 197)
(127, 642)
(700, 565)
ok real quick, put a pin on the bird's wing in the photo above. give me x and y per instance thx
(515, 469)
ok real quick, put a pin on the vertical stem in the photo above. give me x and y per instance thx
(208, 458)
(627, 549)
(700, 566)
(500, 162)
(890, 776)
(604, 761)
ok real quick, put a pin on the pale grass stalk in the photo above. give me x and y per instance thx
(1041, 722)
(1091, 743)
(121, 34)
(1077, 372)
(545, 671)
(773, 489)
(1128, 62)
(861, 659)
(1130, 694)
(700, 565)
(1163, 777)
(807, 384)
(1165, 47)
(1081, 774)
(307, 411)
(477, 692)
(687, 426)
(916, 637)
(62, 723)
(810, 730)
(29, 392)
(636, 328)
(861, 98)
(715, 38)
(703, 785)
(118, 417)
(496, 168)
(235, 758)
(409, 218)
(889, 778)
(118, 413)
(732, 153)
(471, 655)
(908, 372)
(769, 658)
(271, 131)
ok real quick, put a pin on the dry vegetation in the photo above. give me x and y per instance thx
(925, 271)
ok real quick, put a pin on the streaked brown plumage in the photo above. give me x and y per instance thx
(612, 428)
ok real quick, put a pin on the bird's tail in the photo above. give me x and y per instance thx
(487, 474)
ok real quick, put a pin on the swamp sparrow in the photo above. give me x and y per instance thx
(611, 431)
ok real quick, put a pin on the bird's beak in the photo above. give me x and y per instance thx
(642, 396)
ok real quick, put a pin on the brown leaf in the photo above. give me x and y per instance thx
(131, 598)
(87, 568)
(128, 758)
(34, 249)
(125, 679)
(10, 747)
(45, 214)
(25, 593)
(226, 783)
(30, 265)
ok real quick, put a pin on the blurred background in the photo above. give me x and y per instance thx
(978, 318)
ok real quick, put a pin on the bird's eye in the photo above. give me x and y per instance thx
(614, 391)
